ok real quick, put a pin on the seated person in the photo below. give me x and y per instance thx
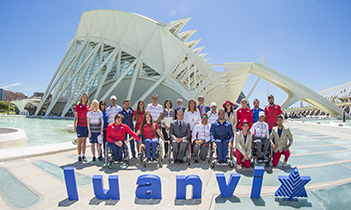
(221, 134)
(281, 134)
(243, 141)
(201, 137)
(260, 135)
(149, 129)
(115, 134)
(180, 134)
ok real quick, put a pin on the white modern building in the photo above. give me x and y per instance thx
(133, 56)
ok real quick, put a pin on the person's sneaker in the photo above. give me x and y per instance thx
(94, 159)
(116, 162)
(285, 163)
(80, 159)
(84, 159)
(154, 161)
(224, 162)
(148, 161)
(239, 166)
(196, 161)
(100, 158)
(134, 156)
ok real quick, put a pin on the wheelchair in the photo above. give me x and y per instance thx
(187, 154)
(109, 160)
(254, 155)
(159, 154)
(213, 157)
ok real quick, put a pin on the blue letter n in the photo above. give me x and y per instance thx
(193, 180)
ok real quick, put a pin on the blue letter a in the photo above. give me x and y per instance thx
(227, 190)
(149, 186)
(101, 193)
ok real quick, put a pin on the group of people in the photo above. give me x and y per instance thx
(194, 127)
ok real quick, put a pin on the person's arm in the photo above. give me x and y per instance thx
(108, 134)
(238, 119)
(102, 125)
(160, 134)
(212, 133)
(207, 132)
(251, 119)
(88, 124)
(194, 133)
(171, 131)
(231, 134)
(131, 138)
(75, 122)
(187, 135)
(128, 130)
(267, 132)
(238, 145)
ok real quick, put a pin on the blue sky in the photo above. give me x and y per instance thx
(307, 40)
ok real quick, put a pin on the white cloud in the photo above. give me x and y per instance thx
(12, 85)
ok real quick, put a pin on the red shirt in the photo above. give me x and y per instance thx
(138, 123)
(243, 114)
(117, 132)
(148, 134)
(271, 113)
(82, 114)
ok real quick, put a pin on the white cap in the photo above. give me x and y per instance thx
(213, 104)
(261, 114)
(113, 97)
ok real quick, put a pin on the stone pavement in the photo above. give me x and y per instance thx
(320, 151)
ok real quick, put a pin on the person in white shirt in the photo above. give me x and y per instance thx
(155, 109)
(95, 128)
(192, 116)
(201, 137)
(213, 113)
(112, 110)
(260, 136)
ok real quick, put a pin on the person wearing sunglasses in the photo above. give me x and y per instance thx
(102, 107)
(201, 137)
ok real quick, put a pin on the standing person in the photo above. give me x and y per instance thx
(115, 134)
(95, 128)
(272, 111)
(256, 110)
(180, 134)
(202, 107)
(138, 116)
(102, 107)
(192, 116)
(221, 136)
(283, 141)
(149, 129)
(113, 109)
(201, 137)
(260, 136)
(155, 110)
(167, 117)
(213, 113)
(127, 113)
(80, 125)
(243, 141)
(230, 114)
(179, 106)
(244, 113)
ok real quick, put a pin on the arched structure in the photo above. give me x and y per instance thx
(133, 56)
(24, 103)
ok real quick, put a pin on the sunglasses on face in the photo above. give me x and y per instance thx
(204, 117)
(103, 104)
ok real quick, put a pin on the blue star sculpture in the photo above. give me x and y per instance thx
(293, 186)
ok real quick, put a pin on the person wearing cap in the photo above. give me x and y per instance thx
(260, 136)
(256, 110)
(95, 128)
(155, 109)
(213, 114)
(243, 141)
(230, 114)
(201, 137)
(113, 110)
(202, 107)
(221, 134)
(272, 111)
(127, 113)
(244, 113)
(283, 141)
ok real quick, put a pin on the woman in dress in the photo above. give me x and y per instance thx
(192, 116)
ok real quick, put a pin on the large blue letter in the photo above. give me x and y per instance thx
(71, 184)
(183, 181)
(257, 182)
(101, 193)
(149, 186)
(227, 190)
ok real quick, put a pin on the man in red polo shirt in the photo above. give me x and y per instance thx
(272, 111)
(244, 113)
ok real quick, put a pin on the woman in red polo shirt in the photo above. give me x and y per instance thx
(138, 116)
(80, 125)
(149, 129)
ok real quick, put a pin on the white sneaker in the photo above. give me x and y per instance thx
(285, 163)
(239, 166)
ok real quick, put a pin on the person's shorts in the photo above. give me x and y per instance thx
(94, 138)
(82, 131)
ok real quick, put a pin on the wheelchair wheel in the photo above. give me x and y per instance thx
(144, 164)
(141, 156)
(213, 164)
(231, 164)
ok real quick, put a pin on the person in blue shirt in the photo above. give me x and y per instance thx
(102, 107)
(221, 134)
(256, 110)
(127, 113)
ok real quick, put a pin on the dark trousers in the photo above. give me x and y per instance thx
(167, 138)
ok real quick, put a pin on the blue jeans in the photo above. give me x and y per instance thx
(154, 146)
(116, 151)
(222, 149)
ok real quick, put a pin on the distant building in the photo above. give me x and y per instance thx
(14, 96)
(2, 95)
(38, 95)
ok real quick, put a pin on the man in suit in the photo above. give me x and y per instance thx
(202, 107)
(180, 134)
(179, 106)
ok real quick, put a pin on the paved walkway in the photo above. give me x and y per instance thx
(319, 151)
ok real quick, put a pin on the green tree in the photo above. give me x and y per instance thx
(4, 106)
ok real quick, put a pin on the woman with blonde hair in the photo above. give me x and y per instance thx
(95, 128)
(80, 125)
(192, 116)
